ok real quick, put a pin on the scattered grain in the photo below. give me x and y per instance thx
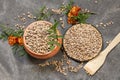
(30, 16)
(62, 24)
(85, 10)
(104, 25)
(68, 62)
(57, 11)
(16, 25)
(108, 42)
(23, 19)
(63, 66)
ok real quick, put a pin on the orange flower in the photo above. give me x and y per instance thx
(71, 21)
(12, 40)
(70, 15)
(75, 10)
(20, 40)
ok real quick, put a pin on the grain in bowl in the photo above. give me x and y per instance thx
(36, 40)
(82, 42)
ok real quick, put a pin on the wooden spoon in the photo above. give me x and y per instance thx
(93, 65)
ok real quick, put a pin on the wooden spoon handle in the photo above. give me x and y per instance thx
(112, 44)
(93, 65)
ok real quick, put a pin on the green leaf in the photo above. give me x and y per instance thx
(22, 53)
(53, 36)
(42, 9)
(52, 47)
(50, 31)
(60, 36)
(4, 36)
(54, 27)
(1, 36)
(18, 33)
(18, 49)
(67, 7)
(82, 17)
(14, 48)
(43, 14)
(53, 42)
(7, 31)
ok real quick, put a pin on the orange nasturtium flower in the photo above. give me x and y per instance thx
(73, 12)
(20, 40)
(71, 20)
(12, 40)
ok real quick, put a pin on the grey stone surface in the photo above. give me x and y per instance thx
(13, 67)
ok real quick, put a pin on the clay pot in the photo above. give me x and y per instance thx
(39, 55)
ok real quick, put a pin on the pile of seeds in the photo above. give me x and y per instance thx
(63, 65)
(82, 42)
(36, 37)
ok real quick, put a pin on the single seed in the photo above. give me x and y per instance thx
(16, 25)
(112, 22)
(97, 25)
(107, 24)
(61, 18)
(28, 12)
(15, 18)
(96, 1)
(101, 23)
(18, 16)
(23, 19)
(107, 42)
(104, 25)
(63, 3)
(34, 17)
(88, 11)
(30, 16)
(23, 14)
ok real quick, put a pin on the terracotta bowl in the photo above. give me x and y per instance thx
(46, 55)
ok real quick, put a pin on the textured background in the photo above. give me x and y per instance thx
(13, 67)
